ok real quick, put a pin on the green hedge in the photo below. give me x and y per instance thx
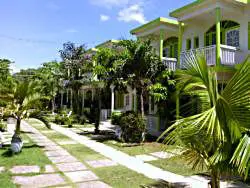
(133, 127)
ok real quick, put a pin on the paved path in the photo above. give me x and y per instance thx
(136, 164)
(67, 164)
(130, 162)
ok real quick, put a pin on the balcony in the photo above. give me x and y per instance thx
(229, 55)
(170, 63)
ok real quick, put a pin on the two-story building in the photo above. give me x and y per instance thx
(219, 29)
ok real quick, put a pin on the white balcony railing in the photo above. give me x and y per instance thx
(170, 63)
(229, 55)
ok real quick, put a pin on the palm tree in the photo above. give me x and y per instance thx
(141, 65)
(209, 138)
(50, 76)
(23, 101)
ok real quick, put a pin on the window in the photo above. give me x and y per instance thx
(233, 37)
(196, 42)
(188, 44)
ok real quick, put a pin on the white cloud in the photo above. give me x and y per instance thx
(132, 13)
(71, 30)
(104, 18)
(110, 3)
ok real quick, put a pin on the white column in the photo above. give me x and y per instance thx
(135, 100)
(112, 87)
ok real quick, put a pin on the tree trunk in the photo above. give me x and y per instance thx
(142, 104)
(53, 105)
(18, 126)
(98, 112)
(215, 182)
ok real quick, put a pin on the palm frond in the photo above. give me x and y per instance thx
(241, 156)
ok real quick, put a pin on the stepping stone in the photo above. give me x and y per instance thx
(2, 169)
(67, 142)
(69, 167)
(146, 158)
(49, 169)
(162, 155)
(101, 163)
(46, 144)
(57, 153)
(63, 159)
(93, 184)
(25, 169)
(44, 180)
(81, 176)
(52, 148)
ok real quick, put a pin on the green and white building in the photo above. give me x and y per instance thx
(218, 28)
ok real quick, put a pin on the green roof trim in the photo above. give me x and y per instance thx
(112, 41)
(158, 21)
(195, 3)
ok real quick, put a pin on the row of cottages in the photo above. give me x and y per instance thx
(218, 28)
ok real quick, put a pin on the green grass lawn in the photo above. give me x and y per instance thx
(115, 176)
(176, 165)
(30, 155)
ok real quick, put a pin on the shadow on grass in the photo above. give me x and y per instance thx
(165, 184)
(9, 153)
(102, 136)
(26, 132)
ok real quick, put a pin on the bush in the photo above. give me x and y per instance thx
(116, 118)
(62, 119)
(133, 127)
(3, 126)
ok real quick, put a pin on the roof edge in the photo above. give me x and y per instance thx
(155, 21)
(106, 42)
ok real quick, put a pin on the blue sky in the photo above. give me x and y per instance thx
(33, 31)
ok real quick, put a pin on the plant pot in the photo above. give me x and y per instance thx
(16, 144)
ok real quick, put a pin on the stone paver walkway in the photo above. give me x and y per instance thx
(67, 164)
(134, 164)
(130, 162)
(43, 180)
(101, 163)
(138, 165)
(25, 169)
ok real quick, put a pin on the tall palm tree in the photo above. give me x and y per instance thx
(141, 65)
(23, 101)
(209, 138)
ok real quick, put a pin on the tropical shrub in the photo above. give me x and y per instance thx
(133, 127)
(221, 119)
(116, 118)
(3, 126)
